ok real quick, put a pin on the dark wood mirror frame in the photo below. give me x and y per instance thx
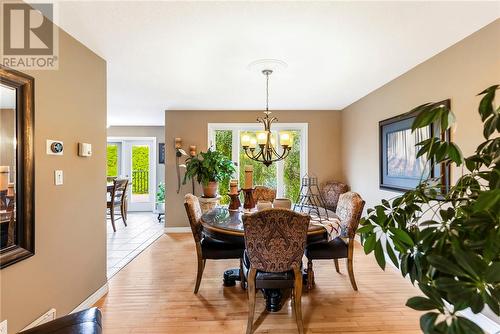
(24, 245)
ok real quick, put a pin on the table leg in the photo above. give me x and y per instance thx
(231, 276)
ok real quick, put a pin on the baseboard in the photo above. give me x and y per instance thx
(92, 299)
(177, 230)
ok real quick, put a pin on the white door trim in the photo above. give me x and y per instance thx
(152, 159)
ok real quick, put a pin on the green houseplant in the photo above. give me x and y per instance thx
(209, 168)
(449, 243)
(160, 196)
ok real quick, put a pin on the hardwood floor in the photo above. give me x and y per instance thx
(154, 294)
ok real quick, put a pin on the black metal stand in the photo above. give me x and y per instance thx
(310, 199)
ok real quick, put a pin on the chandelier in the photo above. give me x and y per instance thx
(266, 151)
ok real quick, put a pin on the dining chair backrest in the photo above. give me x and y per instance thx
(349, 210)
(275, 239)
(284, 203)
(119, 192)
(263, 193)
(193, 211)
(331, 191)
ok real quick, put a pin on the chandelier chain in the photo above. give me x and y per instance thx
(267, 91)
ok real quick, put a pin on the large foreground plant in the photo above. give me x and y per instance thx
(449, 243)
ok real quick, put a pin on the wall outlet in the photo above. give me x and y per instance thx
(3, 327)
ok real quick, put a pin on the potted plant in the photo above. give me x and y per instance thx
(449, 243)
(160, 196)
(209, 168)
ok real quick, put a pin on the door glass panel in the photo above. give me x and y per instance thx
(113, 161)
(262, 175)
(224, 144)
(140, 173)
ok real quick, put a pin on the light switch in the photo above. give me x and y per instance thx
(58, 177)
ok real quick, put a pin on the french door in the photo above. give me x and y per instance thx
(134, 159)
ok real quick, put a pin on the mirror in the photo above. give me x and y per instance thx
(16, 167)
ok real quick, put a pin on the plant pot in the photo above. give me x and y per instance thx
(161, 207)
(210, 190)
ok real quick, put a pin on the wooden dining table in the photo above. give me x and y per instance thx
(225, 225)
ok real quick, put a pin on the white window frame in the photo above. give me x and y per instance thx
(276, 128)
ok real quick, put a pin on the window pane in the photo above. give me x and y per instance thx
(291, 177)
(262, 175)
(112, 157)
(140, 170)
(224, 144)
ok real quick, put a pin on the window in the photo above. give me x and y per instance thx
(283, 175)
(113, 163)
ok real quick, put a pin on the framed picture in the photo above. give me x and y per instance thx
(400, 169)
(161, 153)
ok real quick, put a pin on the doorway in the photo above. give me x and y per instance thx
(134, 159)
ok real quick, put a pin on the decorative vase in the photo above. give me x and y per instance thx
(235, 203)
(249, 200)
(210, 190)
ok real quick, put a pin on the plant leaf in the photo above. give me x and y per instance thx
(421, 304)
(402, 236)
(379, 255)
(444, 265)
(492, 274)
(427, 322)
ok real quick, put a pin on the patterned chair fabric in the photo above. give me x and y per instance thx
(193, 210)
(275, 239)
(263, 193)
(349, 210)
(331, 191)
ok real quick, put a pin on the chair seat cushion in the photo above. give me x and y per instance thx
(269, 280)
(83, 322)
(335, 249)
(215, 249)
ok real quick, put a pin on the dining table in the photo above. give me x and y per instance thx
(226, 225)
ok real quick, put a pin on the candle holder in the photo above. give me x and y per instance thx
(235, 203)
(249, 200)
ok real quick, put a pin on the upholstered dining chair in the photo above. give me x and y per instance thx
(331, 191)
(275, 240)
(118, 199)
(208, 248)
(349, 210)
(284, 203)
(264, 194)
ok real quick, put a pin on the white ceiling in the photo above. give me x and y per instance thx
(194, 55)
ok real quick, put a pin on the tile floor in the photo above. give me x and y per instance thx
(128, 242)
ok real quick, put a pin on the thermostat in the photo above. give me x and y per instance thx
(55, 147)
(84, 149)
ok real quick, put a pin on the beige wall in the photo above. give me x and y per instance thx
(70, 227)
(459, 73)
(191, 126)
(143, 131)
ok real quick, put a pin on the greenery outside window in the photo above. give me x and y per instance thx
(283, 175)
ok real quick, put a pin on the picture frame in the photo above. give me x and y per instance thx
(400, 169)
(161, 153)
